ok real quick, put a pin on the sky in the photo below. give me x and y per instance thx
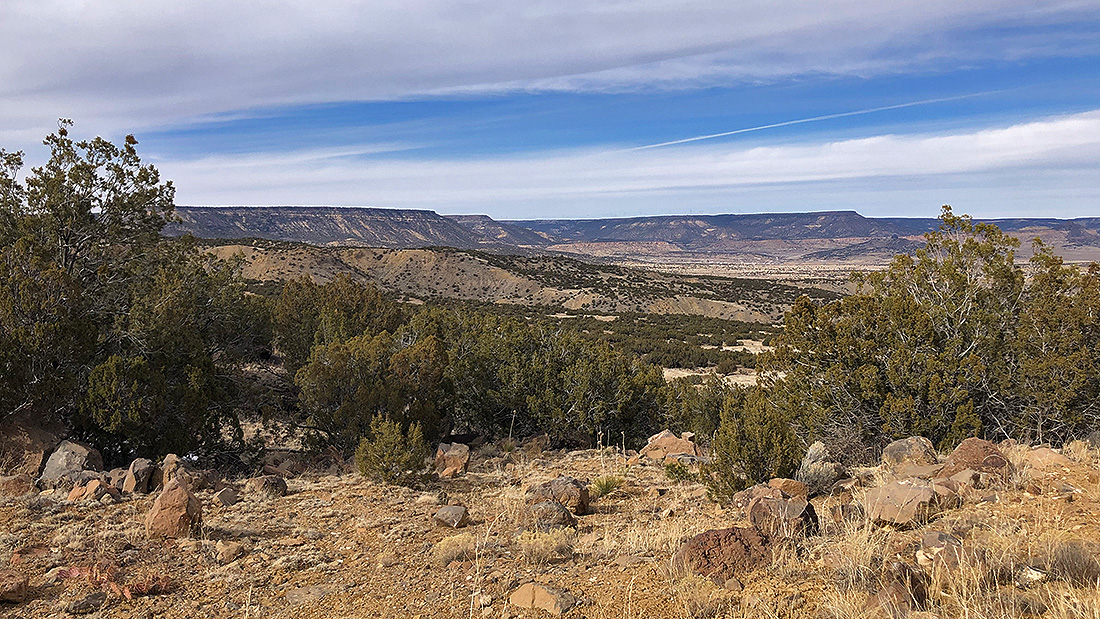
(562, 109)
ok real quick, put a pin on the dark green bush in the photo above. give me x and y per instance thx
(393, 456)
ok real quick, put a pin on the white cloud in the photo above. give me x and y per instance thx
(127, 64)
(996, 171)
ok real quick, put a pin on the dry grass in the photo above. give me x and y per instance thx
(461, 547)
(538, 548)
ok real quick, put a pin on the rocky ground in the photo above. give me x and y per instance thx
(992, 539)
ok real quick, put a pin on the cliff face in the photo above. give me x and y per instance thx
(371, 227)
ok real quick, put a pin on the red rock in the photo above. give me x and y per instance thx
(451, 459)
(907, 502)
(552, 600)
(720, 554)
(978, 455)
(175, 513)
(13, 586)
(782, 517)
(666, 445)
(793, 487)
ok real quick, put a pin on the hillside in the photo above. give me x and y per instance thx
(435, 273)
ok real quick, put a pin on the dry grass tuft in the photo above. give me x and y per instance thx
(461, 547)
(541, 548)
(700, 597)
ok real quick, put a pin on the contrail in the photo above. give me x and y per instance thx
(800, 121)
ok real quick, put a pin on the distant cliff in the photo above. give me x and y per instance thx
(317, 225)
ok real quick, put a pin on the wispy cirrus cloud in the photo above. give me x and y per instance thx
(992, 171)
(128, 63)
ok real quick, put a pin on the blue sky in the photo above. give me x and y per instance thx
(538, 109)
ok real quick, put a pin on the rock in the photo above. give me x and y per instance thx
(228, 552)
(552, 600)
(16, 485)
(69, 459)
(175, 513)
(267, 487)
(95, 490)
(116, 476)
(138, 476)
(817, 472)
(454, 516)
(451, 459)
(171, 468)
(226, 496)
(840, 517)
(13, 586)
(1046, 458)
(907, 502)
(551, 515)
(939, 549)
(782, 517)
(741, 500)
(789, 486)
(566, 490)
(666, 446)
(978, 455)
(913, 450)
(720, 554)
(87, 605)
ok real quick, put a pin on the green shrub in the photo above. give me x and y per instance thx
(392, 456)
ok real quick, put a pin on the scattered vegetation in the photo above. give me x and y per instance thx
(391, 455)
(540, 548)
(605, 485)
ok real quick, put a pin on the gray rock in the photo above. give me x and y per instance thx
(226, 496)
(138, 476)
(915, 450)
(87, 605)
(69, 460)
(454, 516)
(267, 487)
(551, 515)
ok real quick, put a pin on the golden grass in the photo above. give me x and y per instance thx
(538, 548)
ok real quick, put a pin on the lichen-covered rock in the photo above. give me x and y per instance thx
(912, 451)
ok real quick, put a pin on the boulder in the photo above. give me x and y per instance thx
(980, 456)
(550, 515)
(915, 450)
(171, 468)
(13, 586)
(566, 490)
(534, 595)
(175, 513)
(138, 476)
(267, 487)
(720, 554)
(451, 459)
(741, 500)
(116, 476)
(226, 496)
(817, 472)
(16, 485)
(666, 446)
(67, 461)
(908, 502)
(454, 516)
(1045, 458)
(782, 517)
(87, 604)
